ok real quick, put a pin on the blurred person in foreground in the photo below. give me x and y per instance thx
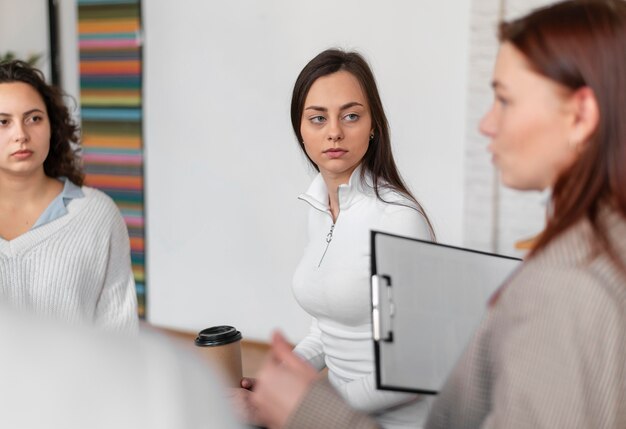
(57, 376)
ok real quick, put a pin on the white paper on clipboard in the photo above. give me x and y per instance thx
(427, 300)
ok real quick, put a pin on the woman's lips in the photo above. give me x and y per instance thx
(22, 154)
(335, 153)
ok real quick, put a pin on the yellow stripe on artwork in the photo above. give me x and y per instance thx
(108, 92)
(108, 26)
(110, 100)
(138, 272)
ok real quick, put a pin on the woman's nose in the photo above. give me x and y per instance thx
(21, 135)
(487, 125)
(335, 133)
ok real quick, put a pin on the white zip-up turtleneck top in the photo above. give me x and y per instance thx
(332, 284)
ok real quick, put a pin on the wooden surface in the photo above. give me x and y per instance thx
(253, 353)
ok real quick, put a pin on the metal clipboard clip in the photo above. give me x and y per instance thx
(383, 308)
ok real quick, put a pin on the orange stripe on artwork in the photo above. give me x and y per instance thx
(106, 67)
(108, 26)
(136, 243)
(116, 142)
(102, 181)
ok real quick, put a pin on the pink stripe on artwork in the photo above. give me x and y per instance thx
(112, 159)
(86, 44)
(133, 221)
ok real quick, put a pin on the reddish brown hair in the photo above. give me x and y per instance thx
(582, 43)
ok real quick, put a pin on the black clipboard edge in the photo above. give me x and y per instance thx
(374, 272)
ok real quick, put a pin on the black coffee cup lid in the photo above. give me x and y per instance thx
(217, 336)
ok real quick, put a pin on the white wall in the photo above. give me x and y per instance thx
(223, 169)
(225, 230)
(217, 94)
(68, 47)
(24, 30)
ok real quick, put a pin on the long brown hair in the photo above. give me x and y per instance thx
(62, 159)
(378, 159)
(582, 43)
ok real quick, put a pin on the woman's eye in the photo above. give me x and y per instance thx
(351, 117)
(317, 119)
(4, 121)
(502, 100)
(34, 118)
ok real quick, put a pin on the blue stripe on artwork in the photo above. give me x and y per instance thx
(102, 86)
(110, 55)
(131, 212)
(101, 81)
(137, 259)
(107, 36)
(141, 288)
(124, 195)
(95, 114)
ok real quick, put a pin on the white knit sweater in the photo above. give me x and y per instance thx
(332, 284)
(76, 268)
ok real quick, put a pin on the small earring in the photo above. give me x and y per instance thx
(372, 136)
(574, 145)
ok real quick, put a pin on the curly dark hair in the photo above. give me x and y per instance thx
(63, 158)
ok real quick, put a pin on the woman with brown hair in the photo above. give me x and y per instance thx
(64, 247)
(551, 351)
(341, 127)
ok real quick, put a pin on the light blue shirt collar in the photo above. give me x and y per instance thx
(58, 206)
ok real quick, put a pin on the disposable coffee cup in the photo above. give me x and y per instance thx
(222, 346)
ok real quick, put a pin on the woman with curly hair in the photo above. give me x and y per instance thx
(64, 248)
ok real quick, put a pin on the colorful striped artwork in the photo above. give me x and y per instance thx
(109, 35)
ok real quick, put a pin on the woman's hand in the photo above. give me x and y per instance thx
(240, 401)
(248, 383)
(281, 384)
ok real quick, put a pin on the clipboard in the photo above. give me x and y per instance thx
(427, 301)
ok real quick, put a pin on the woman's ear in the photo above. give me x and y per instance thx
(586, 116)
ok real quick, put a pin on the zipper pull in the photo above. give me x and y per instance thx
(329, 236)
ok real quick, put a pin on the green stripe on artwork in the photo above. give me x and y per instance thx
(108, 128)
(99, 12)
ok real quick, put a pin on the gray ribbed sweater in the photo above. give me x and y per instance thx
(76, 268)
(550, 353)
